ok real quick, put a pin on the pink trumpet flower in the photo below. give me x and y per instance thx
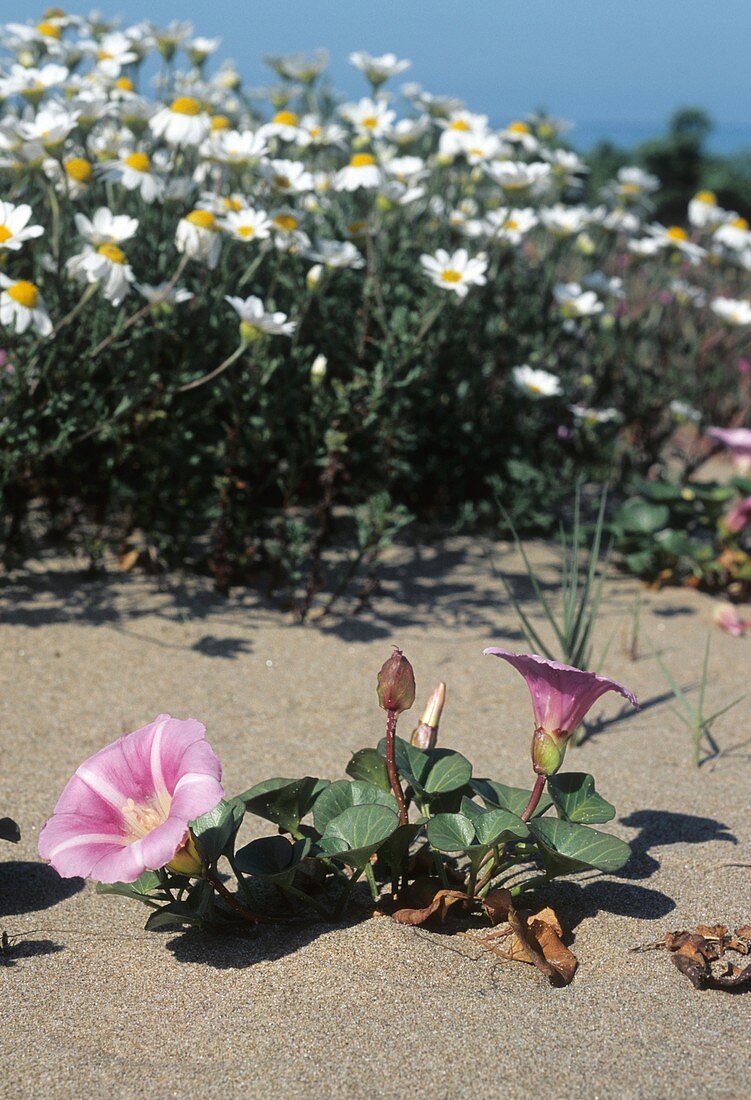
(738, 440)
(126, 809)
(728, 619)
(738, 517)
(561, 697)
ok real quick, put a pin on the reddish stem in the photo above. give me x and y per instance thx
(246, 914)
(396, 786)
(534, 798)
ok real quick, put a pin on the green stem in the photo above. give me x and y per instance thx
(344, 897)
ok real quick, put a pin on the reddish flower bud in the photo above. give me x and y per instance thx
(396, 683)
(425, 735)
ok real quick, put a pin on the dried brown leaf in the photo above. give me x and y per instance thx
(531, 938)
(694, 952)
(128, 559)
(497, 905)
(423, 899)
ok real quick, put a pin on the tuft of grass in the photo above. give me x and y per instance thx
(573, 616)
(692, 714)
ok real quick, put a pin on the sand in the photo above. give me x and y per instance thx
(90, 1004)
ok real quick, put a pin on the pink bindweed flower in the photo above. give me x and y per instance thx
(561, 697)
(737, 439)
(126, 809)
(744, 365)
(728, 619)
(738, 517)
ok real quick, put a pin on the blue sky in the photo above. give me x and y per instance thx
(614, 61)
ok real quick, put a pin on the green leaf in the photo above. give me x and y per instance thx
(284, 801)
(272, 858)
(140, 890)
(451, 833)
(339, 796)
(576, 799)
(514, 799)
(357, 833)
(641, 516)
(176, 914)
(214, 831)
(369, 766)
(494, 826)
(568, 847)
(448, 771)
(9, 830)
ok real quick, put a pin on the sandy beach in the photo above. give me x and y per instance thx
(91, 1004)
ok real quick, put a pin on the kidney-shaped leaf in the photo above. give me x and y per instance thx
(339, 796)
(568, 847)
(447, 771)
(272, 858)
(213, 831)
(283, 801)
(493, 826)
(451, 833)
(513, 799)
(576, 799)
(369, 766)
(357, 833)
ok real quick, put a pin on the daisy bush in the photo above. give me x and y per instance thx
(242, 324)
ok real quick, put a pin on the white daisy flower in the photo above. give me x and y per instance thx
(408, 130)
(285, 125)
(184, 122)
(22, 306)
(299, 66)
(592, 417)
(287, 176)
(513, 175)
(14, 227)
(733, 311)
(634, 183)
(50, 125)
(378, 69)
(197, 236)
(160, 294)
(520, 133)
(733, 235)
(370, 117)
(536, 383)
(337, 254)
(107, 265)
(676, 237)
(248, 225)
(362, 171)
(238, 147)
(455, 271)
(565, 221)
(105, 227)
(461, 130)
(575, 302)
(135, 173)
(508, 225)
(111, 53)
(255, 321)
(199, 49)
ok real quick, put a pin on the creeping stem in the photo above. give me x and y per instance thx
(239, 908)
(396, 786)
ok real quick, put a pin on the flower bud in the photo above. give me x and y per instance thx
(186, 860)
(396, 683)
(424, 735)
(313, 278)
(548, 751)
(318, 369)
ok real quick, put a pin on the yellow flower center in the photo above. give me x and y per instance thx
(25, 293)
(114, 254)
(285, 118)
(739, 223)
(708, 197)
(103, 55)
(232, 204)
(204, 219)
(677, 233)
(49, 30)
(141, 819)
(451, 276)
(361, 160)
(287, 222)
(631, 188)
(220, 122)
(511, 224)
(5, 234)
(139, 162)
(78, 169)
(124, 84)
(370, 122)
(282, 182)
(246, 231)
(354, 228)
(518, 128)
(460, 124)
(315, 131)
(185, 105)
